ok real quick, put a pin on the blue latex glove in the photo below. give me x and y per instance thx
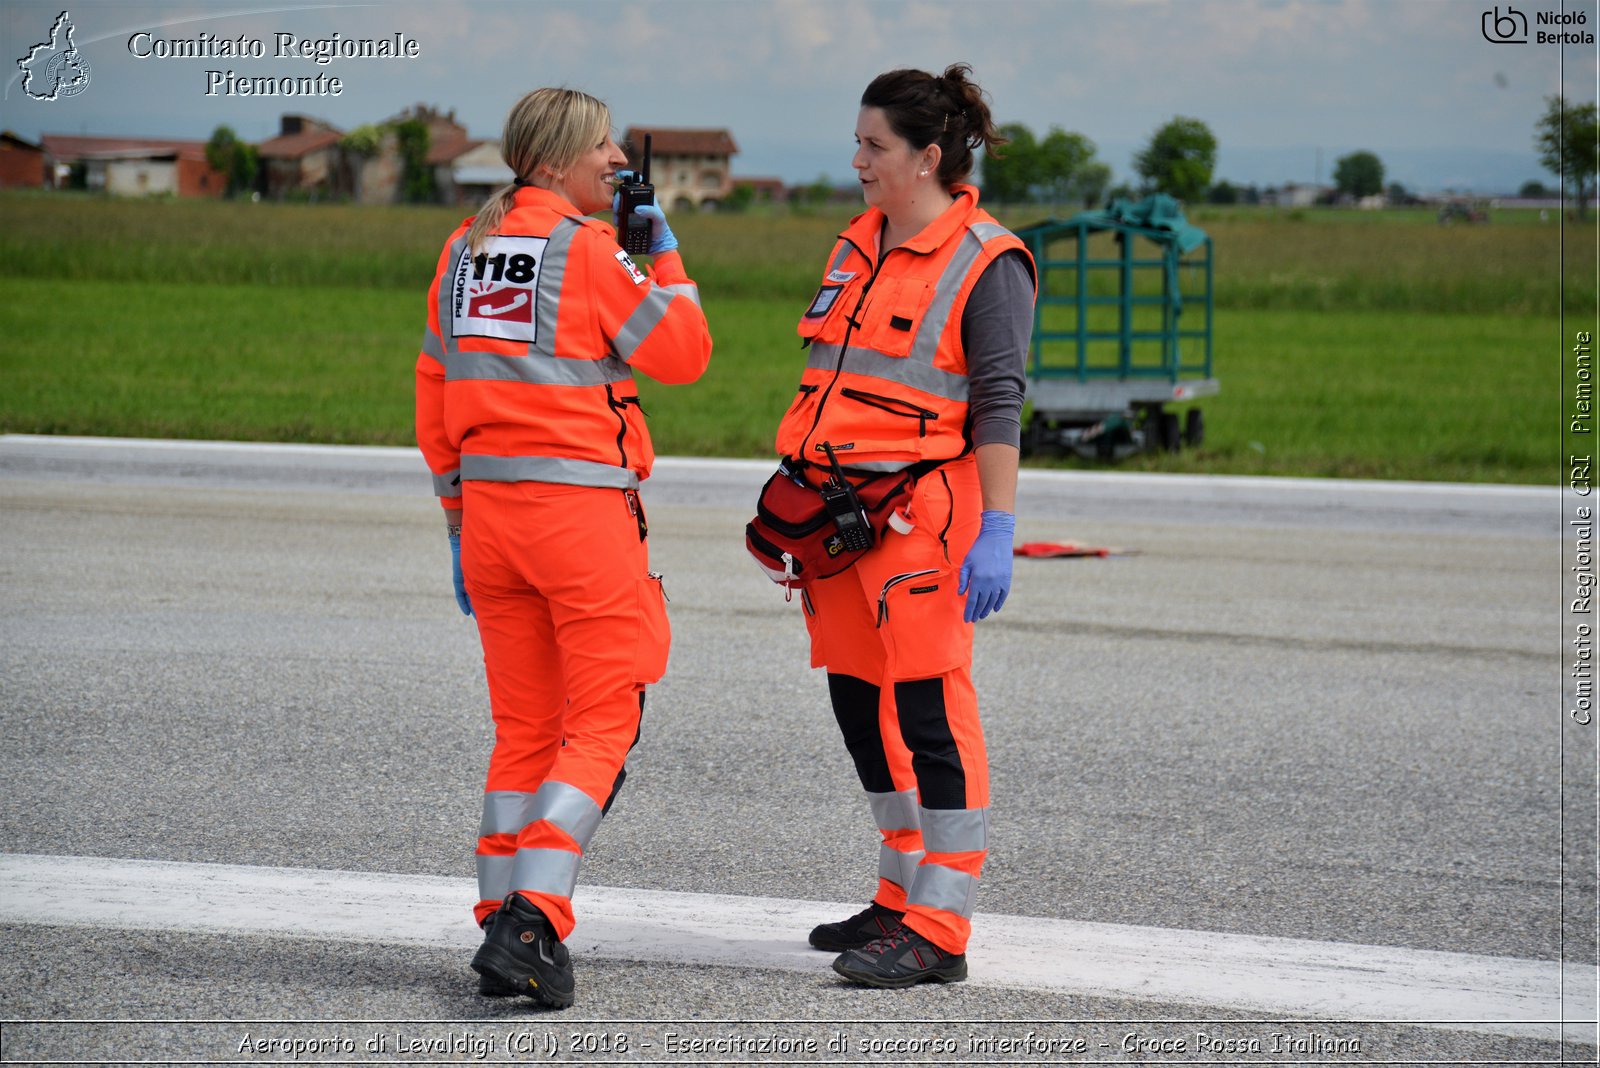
(462, 600)
(986, 572)
(661, 239)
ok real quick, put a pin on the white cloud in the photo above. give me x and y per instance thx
(785, 75)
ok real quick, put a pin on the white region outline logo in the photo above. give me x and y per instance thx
(66, 72)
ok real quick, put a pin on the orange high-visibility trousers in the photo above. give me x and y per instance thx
(899, 659)
(573, 627)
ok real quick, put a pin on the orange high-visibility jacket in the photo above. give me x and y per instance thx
(526, 368)
(885, 381)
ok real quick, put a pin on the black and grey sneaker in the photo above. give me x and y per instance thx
(872, 922)
(488, 985)
(901, 958)
(521, 951)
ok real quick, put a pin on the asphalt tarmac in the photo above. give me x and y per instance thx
(1324, 711)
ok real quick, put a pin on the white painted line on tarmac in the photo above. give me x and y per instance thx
(1147, 479)
(1281, 977)
(46, 441)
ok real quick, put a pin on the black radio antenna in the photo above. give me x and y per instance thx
(646, 159)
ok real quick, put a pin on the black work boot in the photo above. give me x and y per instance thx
(901, 958)
(488, 985)
(872, 922)
(521, 951)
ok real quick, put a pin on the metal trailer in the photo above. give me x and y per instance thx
(1115, 334)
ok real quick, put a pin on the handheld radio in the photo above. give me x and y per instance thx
(844, 507)
(633, 231)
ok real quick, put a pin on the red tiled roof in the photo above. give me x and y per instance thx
(447, 149)
(297, 146)
(681, 142)
(63, 147)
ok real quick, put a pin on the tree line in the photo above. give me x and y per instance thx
(1180, 158)
(1059, 168)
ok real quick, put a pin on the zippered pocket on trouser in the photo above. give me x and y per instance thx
(919, 619)
(655, 633)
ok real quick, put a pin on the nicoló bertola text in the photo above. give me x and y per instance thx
(317, 51)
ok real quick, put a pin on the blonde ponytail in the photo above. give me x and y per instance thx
(549, 129)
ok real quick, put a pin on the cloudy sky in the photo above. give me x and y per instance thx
(1287, 86)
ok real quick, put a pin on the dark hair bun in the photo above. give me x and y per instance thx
(949, 110)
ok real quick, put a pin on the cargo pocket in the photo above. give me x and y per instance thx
(919, 617)
(655, 634)
(894, 314)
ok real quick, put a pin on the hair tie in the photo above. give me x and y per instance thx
(519, 181)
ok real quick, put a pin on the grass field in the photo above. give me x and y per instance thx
(1347, 344)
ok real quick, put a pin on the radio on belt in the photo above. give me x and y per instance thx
(844, 507)
(633, 231)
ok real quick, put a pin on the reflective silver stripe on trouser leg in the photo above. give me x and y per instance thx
(546, 871)
(509, 811)
(954, 830)
(896, 812)
(555, 871)
(567, 807)
(504, 812)
(939, 887)
(949, 831)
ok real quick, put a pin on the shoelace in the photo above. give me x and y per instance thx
(889, 942)
(886, 920)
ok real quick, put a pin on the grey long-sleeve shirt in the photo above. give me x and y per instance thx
(996, 329)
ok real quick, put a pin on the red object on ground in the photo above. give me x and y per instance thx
(1051, 548)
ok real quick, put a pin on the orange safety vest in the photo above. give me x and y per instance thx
(526, 368)
(885, 381)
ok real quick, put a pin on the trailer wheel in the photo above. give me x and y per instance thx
(1194, 428)
(1167, 433)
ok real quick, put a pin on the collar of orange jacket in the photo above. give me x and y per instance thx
(866, 229)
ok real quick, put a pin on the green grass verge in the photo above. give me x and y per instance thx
(1347, 343)
(1352, 394)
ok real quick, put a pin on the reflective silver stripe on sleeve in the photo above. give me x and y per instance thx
(431, 345)
(683, 289)
(546, 871)
(899, 868)
(894, 811)
(958, 830)
(494, 877)
(643, 319)
(945, 290)
(939, 887)
(505, 812)
(535, 369)
(447, 484)
(480, 468)
(569, 808)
